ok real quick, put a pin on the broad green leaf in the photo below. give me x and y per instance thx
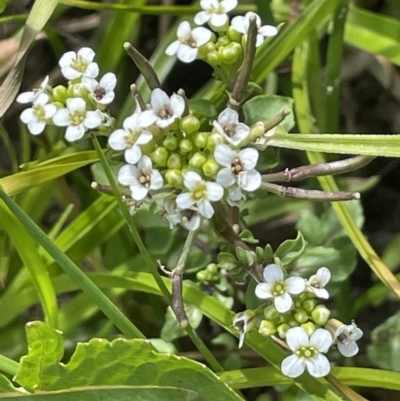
(291, 249)
(103, 363)
(203, 107)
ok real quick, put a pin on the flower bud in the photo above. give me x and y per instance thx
(189, 124)
(309, 304)
(214, 139)
(186, 145)
(267, 328)
(174, 162)
(282, 330)
(200, 139)
(147, 148)
(270, 312)
(197, 160)
(309, 327)
(230, 54)
(210, 168)
(159, 156)
(213, 58)
(202, 275)
(301, 316)
(174, 178)
(234, 35)
(321, 314)
(78, 90)
(171, 142)
(212, 268)
(222, 42)
(60, 93)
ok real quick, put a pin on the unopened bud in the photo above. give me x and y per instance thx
(210, 168)
(197, 160)
(267, 328)
(174, 178)
(189, 124)
(159, 156)
(321, 314)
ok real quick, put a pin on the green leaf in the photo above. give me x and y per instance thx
(120, 362)
(203, 107)
(266, 107)
(291, 249)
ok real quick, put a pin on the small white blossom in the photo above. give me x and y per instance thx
(102, 92)
(318, 281)
(74, 65)
(242, 24)
(238, 167)
(244, 322)
(346, 337)
(32, 96)
(164, 110)
(190, 218)
(278, 288)
(130, 137)
(215, 13)
(189, 41)
(76, 118)
(307, 352)
(200, 194)
(230, 128)
(38, 115)
(141, 178)
(235, 195)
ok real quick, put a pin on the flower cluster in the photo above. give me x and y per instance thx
(80, 107)
(294, 314)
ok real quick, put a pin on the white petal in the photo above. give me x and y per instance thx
(263, 291)
(145, 163)
(201, 36)
(296, 337)
(224, 155)
(27, 115)
(76, 104)
(117, 139)
(107, 98)
(249, 158)
(272, 273)
(92, 119)
(228, 116)
(323, 275)
(61, 118)
(320, 292)
(49, 110)
(218, 20)
(201, 17)
(348, 350)
(187, 54)
(156, 180)
(133, 154)
(321, 339)
(193, 223)
(87, 54)
(70, 73)
(144, 137)
(238, 24)
(184, 201)
(283, 302)
(207, 4)
(225, 177)
(41, 99)
(292, 366)
(92, 70)
(295, 285)
(74, 132)
(259, 40)
(66, 59)
(249, 180)
(109, 81)
(214, 191)
(318, 366)
(127, 175)
(172, 48)
(268, 30)
(177, 105)
(147, 118)
(138, 192)
(205, 209)
(36, 127)
(159, 99)
(89, 83)
(191, 179)
(25, 97)
(183, 29)
(228, 5)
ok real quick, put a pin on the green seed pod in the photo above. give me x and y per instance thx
(186, 145)
(267, 328)
(282, 330)
(189, 124)
(174, 178)
(159, 156)
(210, 168)
(197, 160)
(200, 139)
(171, 142)
(174, 162)
(321, 314)
(60, 94)
(301, 316)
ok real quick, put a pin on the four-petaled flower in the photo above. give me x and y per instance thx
(199, 194)
(242, 24)
(164, 110)
(102, 92)
(76, 118)
(278, 288)
(37, 116)
(215, 13)
(228, 125)
(190, 218)
(130, 137)
(307, 352)
(238, 167)
(318, 281)
(74, 65)
(32, 96)
(140, 178)
(189, 41)
(346, 337)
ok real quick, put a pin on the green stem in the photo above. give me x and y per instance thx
(8, 365)
(73, 271)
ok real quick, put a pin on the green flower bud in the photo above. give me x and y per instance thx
(214, 139)
(309, 327)
(210, 168)
(159, 156)
(213, 58)
(212, 268)
(186, 145)
(189, 124)
(174, 178)
(230, 54)
(234, 35)
(282, 330)
(147, 148)
(60, 94)
(200, 139)
(78, 90)
(222, 42)
(202, 275)
(309, 304)
(174, 161)
(301, 316)
(197, 160)
(321, 314)
(171, 142)
(267, 328)
(270, 312)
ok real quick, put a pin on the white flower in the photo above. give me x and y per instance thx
(307, 353)
(244, 322)
(190, 218)
(200, 194)
(74, 65)
(130, 137)
(32, 96)
(140, 179)
(346, 337)
(215, 13)
(164, 110)
(76, 118)
(38, 115)
(228, 125)
(239, 167)
(189, 41)
(102, 92)
(278, 288)
(242, 24)
(318, 281)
